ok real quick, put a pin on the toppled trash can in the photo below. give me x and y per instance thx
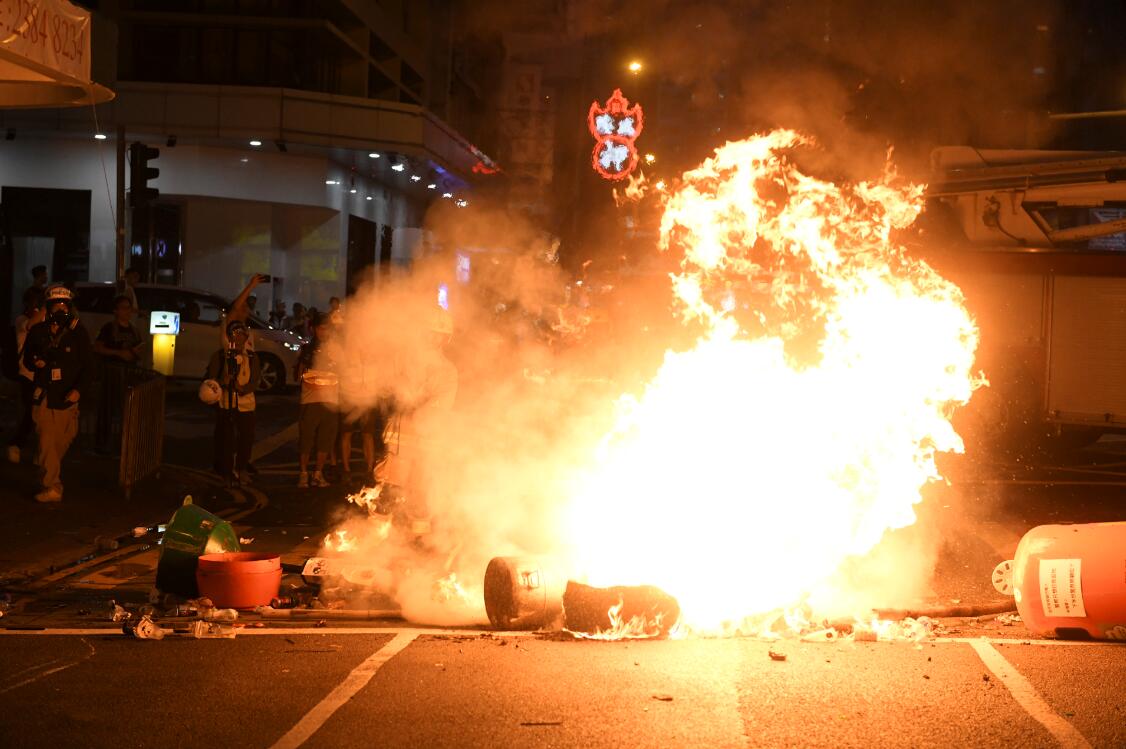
(239, 580)
(1068, 580)
(522, 593)
(191, 533)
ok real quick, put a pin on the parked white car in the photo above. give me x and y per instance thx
(200, 314)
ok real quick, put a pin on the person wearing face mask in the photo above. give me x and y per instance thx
(58, 353)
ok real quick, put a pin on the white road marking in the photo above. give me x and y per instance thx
(49, 672)
(273, 442)
(1027, 697)
(346, 690)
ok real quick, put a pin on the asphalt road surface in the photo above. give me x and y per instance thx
(68, 677)
(410, 688)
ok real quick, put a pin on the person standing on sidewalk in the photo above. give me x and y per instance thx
(118, 346)
(317, 423)
(57, 350)
(237, 370)
(33, 314)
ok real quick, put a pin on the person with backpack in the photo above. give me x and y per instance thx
(237, 370)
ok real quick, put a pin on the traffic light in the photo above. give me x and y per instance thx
(140, 194)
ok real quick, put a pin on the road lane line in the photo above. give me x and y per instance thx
(49, 672)
(346, 690)
(1027, 697)
(273, 442)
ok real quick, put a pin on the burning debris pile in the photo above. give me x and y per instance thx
(758, 466)
(759, 470)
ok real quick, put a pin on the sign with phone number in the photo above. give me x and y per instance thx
(52, 33)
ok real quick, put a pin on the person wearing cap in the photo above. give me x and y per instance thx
(237, 370)
(58, 352)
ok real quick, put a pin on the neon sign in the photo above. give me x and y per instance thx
(615, 127)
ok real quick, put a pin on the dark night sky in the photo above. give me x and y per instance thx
(859, 74)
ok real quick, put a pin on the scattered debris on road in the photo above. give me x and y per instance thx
(661, 697)
(775, 655)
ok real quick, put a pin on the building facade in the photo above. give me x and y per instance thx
(304, 139)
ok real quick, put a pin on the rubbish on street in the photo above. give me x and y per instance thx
(239, 580)
(543, 722)
(119, 613)
(143, 628)
(775, 655)
(1008, 620)
(1067, 580)
(523, 593)
(663, 697)
(202, 630)
(620, 611)
(191, 533)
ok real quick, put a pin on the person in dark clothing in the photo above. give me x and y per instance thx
(57, 351)
(38, 280)
(238, 372)
(118, 339)
(33, 313)
(118, 346)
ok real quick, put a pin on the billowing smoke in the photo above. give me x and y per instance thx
(486, 477)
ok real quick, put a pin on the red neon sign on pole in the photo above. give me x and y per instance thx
(615, 127)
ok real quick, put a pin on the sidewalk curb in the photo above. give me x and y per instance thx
(92, 554)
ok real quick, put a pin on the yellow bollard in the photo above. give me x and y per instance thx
(164, 327)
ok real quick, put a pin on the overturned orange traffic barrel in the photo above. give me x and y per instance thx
(239, 579)
(1070, 580)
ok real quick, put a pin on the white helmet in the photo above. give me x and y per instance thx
(210, 392)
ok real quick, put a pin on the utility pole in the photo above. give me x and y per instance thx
(119, 223)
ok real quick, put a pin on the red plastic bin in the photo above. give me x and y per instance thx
(239, 579)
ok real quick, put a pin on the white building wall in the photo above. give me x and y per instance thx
(244, 210)
(70, 164)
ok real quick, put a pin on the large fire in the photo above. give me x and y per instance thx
(804, 422)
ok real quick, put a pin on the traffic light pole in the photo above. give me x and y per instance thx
(120, 206)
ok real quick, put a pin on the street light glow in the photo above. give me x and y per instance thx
(650, 158)
(99, 136)
(373, 155)
(635, 66)
(255, 143)
(398, 167)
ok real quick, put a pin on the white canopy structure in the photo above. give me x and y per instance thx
(45, 56)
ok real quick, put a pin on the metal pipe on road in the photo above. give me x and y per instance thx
(268, 612)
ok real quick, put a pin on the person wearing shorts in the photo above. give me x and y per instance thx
(320, 396)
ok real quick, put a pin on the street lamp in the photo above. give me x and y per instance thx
(635, 66)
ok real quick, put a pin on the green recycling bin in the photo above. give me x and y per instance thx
(191, 533)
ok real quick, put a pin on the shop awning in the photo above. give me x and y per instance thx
(45, 56)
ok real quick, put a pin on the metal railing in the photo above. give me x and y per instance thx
(124, 415)
(142, 428)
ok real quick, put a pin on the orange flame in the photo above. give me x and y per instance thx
(805, 420)
(339, 541)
